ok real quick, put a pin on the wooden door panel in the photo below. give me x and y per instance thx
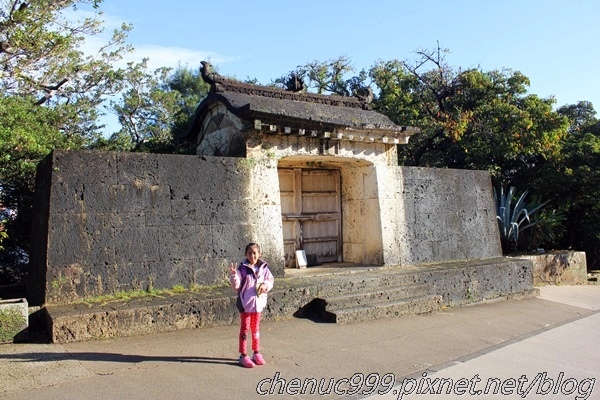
(287, 203)
(322, 180)
(286, 189)
(326, 229)
(319, 203)
(311, 213)
(289, 230)
(286, 180)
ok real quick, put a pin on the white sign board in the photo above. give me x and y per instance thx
(301, 259)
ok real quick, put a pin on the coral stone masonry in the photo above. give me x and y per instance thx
(290, 170)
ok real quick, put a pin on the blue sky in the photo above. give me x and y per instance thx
(554, 43)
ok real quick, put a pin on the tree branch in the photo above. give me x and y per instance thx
(50, 90)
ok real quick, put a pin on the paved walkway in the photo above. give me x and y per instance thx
(547, 345)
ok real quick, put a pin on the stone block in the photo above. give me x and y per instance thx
(85, 167)
(167, 274)
(184, 241)
(447, 216)
(558, 268)
(137, 167)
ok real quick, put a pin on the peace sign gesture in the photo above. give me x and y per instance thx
(232, 268)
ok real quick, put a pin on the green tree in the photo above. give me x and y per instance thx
(41, 57)
(469, 119)
(27, 133)
(575, 181)
(328, 77)
(156, 108)
(581, 116)
(50, 93)
(192, 90)
(144, 111)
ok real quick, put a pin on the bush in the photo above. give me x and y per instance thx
(11, 323)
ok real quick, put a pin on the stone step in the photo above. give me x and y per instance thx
(366, 283)
(303, 297)
(409, 306)
(381, 295)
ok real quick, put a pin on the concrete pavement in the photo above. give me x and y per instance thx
(558, 361)
(559, 332)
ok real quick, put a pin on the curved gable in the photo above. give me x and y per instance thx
(269, 110)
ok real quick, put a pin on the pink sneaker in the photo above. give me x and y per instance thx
(258, 359)
(246, 362)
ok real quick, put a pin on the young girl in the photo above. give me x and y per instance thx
(252, 279)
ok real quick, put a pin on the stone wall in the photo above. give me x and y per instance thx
(442, 215)
(109, 222)
(558, 268)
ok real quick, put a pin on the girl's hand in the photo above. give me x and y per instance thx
(262, 288)
(232, 268)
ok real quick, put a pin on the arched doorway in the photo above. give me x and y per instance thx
(330, 209)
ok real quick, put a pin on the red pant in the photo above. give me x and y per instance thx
(249, 321)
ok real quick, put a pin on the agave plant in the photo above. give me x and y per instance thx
(513, 219)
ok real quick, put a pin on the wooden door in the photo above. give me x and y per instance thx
(311, 213)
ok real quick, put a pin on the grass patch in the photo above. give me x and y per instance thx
(120, 296)
(179, 289)
(141, 294)
(11, 323)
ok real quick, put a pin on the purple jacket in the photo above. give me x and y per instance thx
(247, 289)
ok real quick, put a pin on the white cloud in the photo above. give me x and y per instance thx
(161, 56)
(158, 56)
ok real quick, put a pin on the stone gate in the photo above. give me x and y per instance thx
(291, 170)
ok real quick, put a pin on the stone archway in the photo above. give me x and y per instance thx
(330, 209)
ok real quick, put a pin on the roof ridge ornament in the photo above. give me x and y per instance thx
(365, 96)
(294, 90)
(206, 72)
(294, 83)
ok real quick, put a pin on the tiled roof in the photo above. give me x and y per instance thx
(273, 106)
